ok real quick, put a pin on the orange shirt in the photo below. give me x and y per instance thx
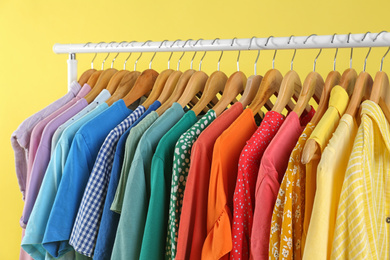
(223, 177)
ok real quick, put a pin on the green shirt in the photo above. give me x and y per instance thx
(153, 243)
(131, 225)
(131, 145)
(181, 166)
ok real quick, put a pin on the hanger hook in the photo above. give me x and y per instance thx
(192, 60)
(135, 64)
(93, 57)
(368, 53)
(112, 63)
(384, 58)
(315, 60)
(170, 56)
(107, 54)
(258, 54)
(365, 60)
(273, 59)
(151, 60)
(220, 57)
(178, 63)
(295, 51)
(376, 37)
(335, 55)
(238, 57)
(201, 60)
(95, 53)
(124, 64)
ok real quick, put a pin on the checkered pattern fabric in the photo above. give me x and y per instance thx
(86, 226)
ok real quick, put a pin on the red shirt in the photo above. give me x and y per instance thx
(193, 218)
(244, 193)
(272, 168)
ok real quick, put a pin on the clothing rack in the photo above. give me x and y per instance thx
(313, 41)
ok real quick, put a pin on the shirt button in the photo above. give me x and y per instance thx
(388, 220)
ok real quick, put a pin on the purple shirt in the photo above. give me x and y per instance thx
(20, 139)
(38, 130)
(42, 155)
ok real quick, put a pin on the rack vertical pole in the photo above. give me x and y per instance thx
(72, 69)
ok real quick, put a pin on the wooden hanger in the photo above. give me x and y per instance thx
(331, 80)
(142, 86)
(94, 78)
(380, 93)
(180, 84)
(85, 76)
(158, 87)
(234, 86)
(348, 80)
(115, 80)
(100, 84)
(312, 87)
(250, 90)
(170, 86)
(252, 85)
(311, 149)
(126, 84)
(270, 85)
(214, 85)
(360, 93)
(195, 85)
(290, 86)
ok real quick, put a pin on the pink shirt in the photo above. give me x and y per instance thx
(272, 168)
(42, 156)
(20, 139)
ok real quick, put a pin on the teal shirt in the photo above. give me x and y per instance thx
(35, 230)
(130, 147)
(153, 242)
(136, 200)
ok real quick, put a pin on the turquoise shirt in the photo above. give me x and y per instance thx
(35, 230)
(131, 225)
(153, 242)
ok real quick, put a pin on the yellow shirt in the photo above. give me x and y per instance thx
(362, 225)
(338, 102)
(330, 176)
(287, 216)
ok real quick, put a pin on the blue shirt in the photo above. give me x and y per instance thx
(109, 221)
(32, 241)
(131, 225)
(81, 157)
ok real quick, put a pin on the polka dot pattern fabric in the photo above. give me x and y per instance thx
(244, 193)
(181, 166)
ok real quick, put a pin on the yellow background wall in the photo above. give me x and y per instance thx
(32, 76)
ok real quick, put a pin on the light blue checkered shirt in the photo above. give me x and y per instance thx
(86, 226)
